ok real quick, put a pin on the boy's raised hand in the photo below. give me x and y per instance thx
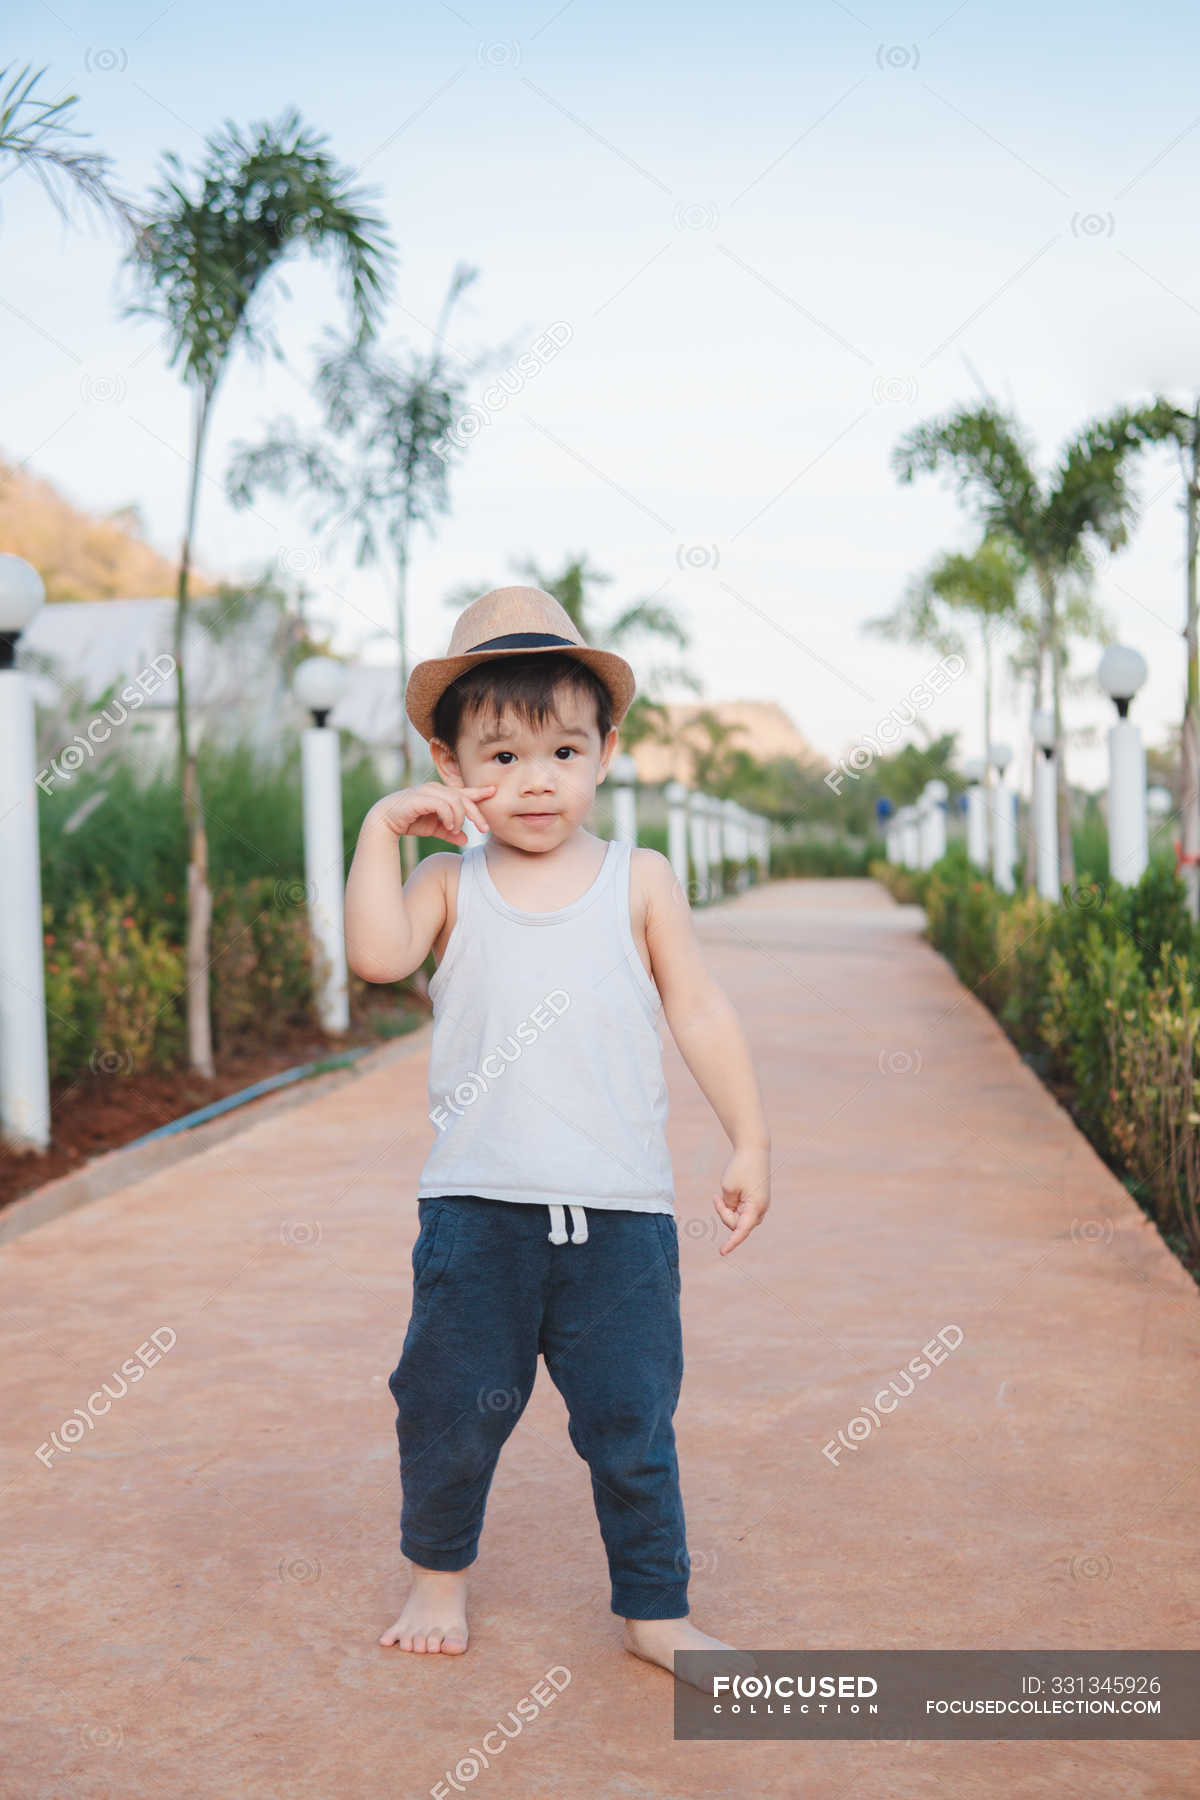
(433, 810)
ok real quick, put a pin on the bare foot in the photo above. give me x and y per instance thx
(657, 1640)
(435, 1614)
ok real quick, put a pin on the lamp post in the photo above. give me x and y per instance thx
(1045, 811)
(977, 831)
(1004, 823)
(24, 1063)
(319, 683)
(1121, 673)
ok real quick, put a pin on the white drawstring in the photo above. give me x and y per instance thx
(558, 1224)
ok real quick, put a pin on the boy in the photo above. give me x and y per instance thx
(556, 955)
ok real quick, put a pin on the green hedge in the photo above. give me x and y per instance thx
(1101, 992)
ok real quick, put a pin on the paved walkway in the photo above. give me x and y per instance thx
(195, 1588)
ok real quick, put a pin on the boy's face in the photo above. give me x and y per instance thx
(546, 777)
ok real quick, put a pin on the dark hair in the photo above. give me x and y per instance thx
(527, 684)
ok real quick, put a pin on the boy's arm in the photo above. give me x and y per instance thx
(391, 925)
(708, 1032)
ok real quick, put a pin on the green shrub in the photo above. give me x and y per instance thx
(262, 962)
(816, 858)
(113, 983)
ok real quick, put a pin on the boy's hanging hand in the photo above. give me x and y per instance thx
(433, 810)
(745, 1194)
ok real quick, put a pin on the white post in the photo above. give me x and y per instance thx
(675, 795)
(318, 683)
(727, 814)
(935, 796)
(698, 823)
(325, 871)
(623, 770)
(1004, 835)
(1045, 824)
(977, 825)
(910, 838)
(1128, 833)
(974, 773)
(716, 874)
(1121, 673)
(922, 813)
(1002, 805)
(24, 1061)
(762, 843)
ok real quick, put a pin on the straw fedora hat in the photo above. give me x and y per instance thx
(511, 621)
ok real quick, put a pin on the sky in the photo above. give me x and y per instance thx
(772, 239)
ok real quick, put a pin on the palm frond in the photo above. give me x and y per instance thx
(36, 135)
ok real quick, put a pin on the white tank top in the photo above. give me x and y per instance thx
(545, 1073)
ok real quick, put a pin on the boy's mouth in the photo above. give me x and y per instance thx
(536, 818)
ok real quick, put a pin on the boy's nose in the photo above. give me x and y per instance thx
(538, 781)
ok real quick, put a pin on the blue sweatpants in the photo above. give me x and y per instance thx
(491, 1292)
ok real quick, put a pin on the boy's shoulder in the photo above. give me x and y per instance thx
(652, 881)
(435, 867)
(651, 868)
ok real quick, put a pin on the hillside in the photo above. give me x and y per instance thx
(79, 555)
(767, 732)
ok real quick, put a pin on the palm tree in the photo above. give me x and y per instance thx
(201, 262)
(647, 718)
(718, 764)
(984, 584)
(36, 135)
(1051, 527)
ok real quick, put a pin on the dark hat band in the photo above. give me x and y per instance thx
(516, 640)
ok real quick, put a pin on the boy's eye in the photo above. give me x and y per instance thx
(569, 748)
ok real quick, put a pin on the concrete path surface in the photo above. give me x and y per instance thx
(196, 1578)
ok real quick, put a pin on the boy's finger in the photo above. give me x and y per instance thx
(739, 1235)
